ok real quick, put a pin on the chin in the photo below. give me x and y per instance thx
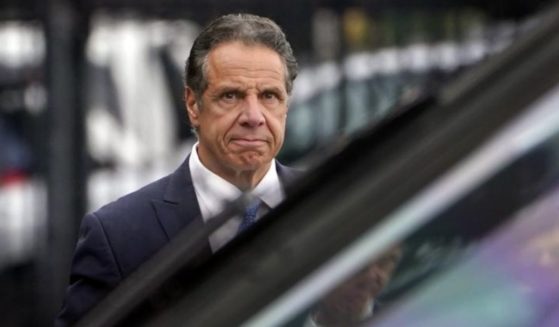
(252, 162)
(251, 166)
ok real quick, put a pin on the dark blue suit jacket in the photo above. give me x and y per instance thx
(120, 236)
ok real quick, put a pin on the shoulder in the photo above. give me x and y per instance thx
(136, 201)
(129, 227)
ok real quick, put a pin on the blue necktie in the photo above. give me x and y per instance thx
(249, 217)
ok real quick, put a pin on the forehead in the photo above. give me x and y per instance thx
(245, 63)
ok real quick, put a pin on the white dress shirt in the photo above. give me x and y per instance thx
(213, 193)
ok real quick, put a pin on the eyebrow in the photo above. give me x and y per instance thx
(237, 88)
(225, 89)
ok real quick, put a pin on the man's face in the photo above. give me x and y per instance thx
(242, 113)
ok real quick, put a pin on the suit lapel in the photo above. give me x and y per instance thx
(287, 176)
(179, 207)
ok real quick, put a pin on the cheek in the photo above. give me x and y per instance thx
(277, 126)
(218, 127)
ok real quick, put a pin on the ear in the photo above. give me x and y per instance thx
(192, 107)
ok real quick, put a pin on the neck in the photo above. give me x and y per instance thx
(248, 179)
(245, 180)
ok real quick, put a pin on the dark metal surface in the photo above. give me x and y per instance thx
(66, 29)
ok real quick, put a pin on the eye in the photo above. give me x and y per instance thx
(231, 95)
(270, 97)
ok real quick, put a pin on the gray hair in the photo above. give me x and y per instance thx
(247, 28)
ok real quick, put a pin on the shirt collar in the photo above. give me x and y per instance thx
(214, 192)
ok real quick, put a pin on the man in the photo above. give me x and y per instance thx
(239, 75)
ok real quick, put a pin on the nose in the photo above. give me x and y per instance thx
(252, 115)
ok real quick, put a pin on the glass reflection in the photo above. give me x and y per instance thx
(354, 300)
(509, 279)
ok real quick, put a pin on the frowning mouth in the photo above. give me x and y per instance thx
(248, 142)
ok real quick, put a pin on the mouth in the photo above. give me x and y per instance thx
(248, 142)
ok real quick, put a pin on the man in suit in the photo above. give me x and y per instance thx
(239, 76)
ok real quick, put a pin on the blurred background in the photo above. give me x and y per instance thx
(91, 101)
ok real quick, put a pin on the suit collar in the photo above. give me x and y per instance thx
(180, 184)
(287, 176)
(179, 207)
